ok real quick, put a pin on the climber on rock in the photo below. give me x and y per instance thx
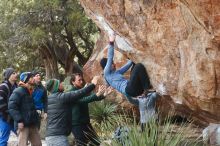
(138, 83)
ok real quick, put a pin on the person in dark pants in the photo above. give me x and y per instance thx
(138, 83)
(6, 89)
(40, 96)
(59, 111)
(81, 127)
(21, 108)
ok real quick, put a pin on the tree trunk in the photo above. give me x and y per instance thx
(71, 66)
(50, 63)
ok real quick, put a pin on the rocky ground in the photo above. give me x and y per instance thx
(13, 140)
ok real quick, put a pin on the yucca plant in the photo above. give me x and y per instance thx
(170, 134)
(103, 115)
(155, 135)
(105, 120)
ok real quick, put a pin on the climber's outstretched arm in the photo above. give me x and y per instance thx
(126, 67)
(110, 59)
(110, 55)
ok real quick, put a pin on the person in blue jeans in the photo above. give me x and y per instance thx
(6, 89)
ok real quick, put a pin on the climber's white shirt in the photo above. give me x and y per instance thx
(146, 112)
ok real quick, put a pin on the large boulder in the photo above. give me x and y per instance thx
(177, 41)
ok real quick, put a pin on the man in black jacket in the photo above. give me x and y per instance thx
(59, 111)
(6, 88)
(21, 108)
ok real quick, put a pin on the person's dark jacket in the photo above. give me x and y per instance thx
(80, 109)
(21, 107)
(59, 110)
(6, 90)
(40, 97)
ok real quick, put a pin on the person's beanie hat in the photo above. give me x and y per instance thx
(25, 76)
(52, 85)
(103, 62)
(7, 73)
(35, 72)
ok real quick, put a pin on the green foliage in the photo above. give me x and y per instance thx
(105, 120)
(37, 35)
(103, 115)
(14, 41)
(66, 84)
(157, 135)
(28, 27)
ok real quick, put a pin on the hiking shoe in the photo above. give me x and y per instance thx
(151, 90)
(146, 91)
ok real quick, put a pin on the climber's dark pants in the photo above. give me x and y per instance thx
(139, 81)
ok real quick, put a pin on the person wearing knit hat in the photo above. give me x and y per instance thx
(8, 72)
(52, 85)
(59, 111)
(6, 89)
(22, 109)
(40, 96)
(35, 72)
(25, 76)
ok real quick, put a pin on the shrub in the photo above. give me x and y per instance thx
(103, 115)
(154, 134)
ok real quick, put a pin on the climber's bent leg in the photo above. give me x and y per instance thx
(139, 81)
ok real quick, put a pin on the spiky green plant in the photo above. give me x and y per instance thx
(103, 115)
(105, 120)
(156, 135)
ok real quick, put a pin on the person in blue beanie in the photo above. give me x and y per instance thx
(21, 108)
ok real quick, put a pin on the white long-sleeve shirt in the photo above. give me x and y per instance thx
(146, 106)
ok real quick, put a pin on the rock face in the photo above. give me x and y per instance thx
(178, 41)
